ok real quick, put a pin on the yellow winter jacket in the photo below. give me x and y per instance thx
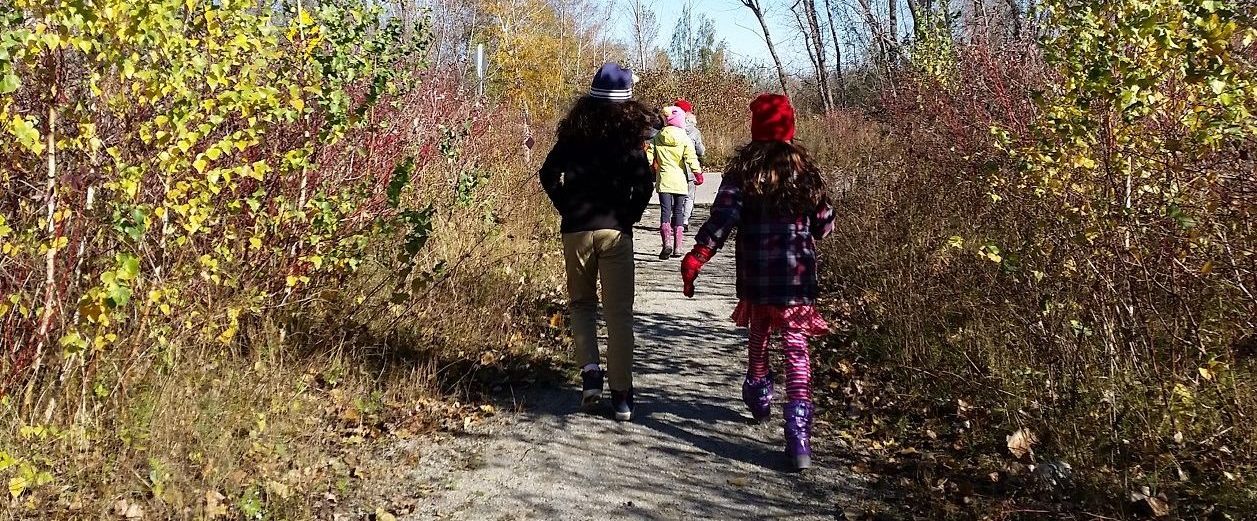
(671, 152)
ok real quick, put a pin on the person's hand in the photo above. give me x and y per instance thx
(698, 178)
(690, 266)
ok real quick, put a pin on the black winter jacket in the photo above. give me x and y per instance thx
(596, 190)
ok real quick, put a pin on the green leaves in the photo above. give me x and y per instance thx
(23, 128)
(399, 180)
(9, 83)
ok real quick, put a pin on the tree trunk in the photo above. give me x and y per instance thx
(833, 33)
(818, 43)
(915, 10)
(878, 38)
(754, 6)
(811, 53)
(1014, 12)
(892, 7)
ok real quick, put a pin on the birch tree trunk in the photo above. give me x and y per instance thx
(892, 7)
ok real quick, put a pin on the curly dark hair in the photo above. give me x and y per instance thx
(778, 177)
(599, 123)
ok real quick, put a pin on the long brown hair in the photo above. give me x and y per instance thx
(779, 178)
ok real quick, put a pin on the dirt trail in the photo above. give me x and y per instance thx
(689, 453)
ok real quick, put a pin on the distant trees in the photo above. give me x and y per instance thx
(856, 46)
(694, 44)
(645, 31)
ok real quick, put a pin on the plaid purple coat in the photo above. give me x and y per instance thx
(775, 256)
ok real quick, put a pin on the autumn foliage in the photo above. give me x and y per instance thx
(1062, 234)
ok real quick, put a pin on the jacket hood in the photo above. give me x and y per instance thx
(671, 136)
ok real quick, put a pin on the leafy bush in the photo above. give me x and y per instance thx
(1068, 238)
(221, 218)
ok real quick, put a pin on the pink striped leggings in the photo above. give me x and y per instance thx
(798, 358)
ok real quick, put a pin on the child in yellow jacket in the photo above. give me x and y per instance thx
(672, 154)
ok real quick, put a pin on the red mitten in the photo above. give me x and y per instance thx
(691, 264)
(698, 178)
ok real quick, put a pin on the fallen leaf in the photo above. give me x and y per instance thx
(125, 509)
(214, 504)
(1021, 443)
(1146, 503)
(279, 489)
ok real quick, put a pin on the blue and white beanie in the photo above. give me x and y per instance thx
(613, 83)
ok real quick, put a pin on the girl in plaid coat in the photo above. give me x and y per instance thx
(773, 194)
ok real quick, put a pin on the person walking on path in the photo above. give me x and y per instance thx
(672, 155)
(691, 130)
(773, 194)
(599, 180)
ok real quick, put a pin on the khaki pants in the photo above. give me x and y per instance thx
(605, 255)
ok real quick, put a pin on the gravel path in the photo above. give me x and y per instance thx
(689, 453)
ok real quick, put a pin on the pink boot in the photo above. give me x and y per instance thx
(665, 231)
(680, 239)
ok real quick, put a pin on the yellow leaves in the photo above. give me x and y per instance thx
(991, 252)
(28, 477)
(258, 170)
(23, 128)
(1184, 394)
(294, 98)
(233, 326)
(72, 343)
(57, 244)
(211, 23)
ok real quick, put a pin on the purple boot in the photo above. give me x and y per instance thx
(758, 396)
(799, 433)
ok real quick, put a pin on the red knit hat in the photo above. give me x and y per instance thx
(772, 118)
(684, 105)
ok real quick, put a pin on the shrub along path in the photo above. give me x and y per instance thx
(689, 453)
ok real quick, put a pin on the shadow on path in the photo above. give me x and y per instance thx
(691, 451)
